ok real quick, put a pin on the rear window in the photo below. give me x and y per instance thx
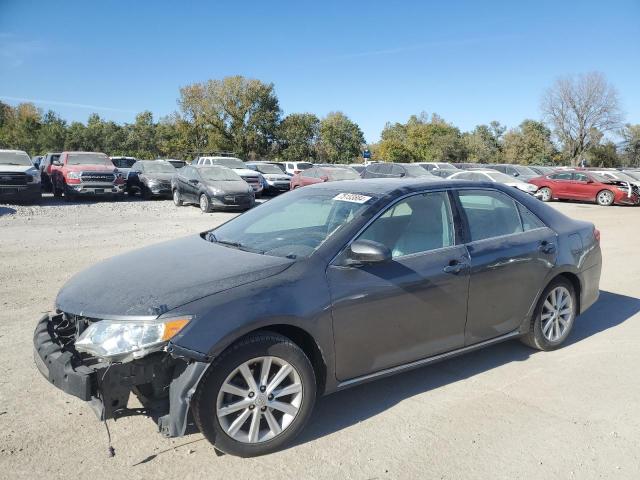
(342, 174)
(87, 159)
(303, 165)
(123, 162)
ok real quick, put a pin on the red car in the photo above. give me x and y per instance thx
(586, 186)
(323, 174)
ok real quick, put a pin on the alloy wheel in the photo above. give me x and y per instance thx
(176, 198)
(204, 203)
(605, 197)
(545, 194)
(557, 314)
(259, 399)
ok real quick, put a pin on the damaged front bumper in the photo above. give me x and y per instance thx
(163, 384)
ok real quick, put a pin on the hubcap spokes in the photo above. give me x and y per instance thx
(557, 314)
(259, 399)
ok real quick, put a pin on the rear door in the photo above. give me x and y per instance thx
(562, 185)
(411, 307)
(511, 253)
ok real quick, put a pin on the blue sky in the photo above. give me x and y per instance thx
(470, 62)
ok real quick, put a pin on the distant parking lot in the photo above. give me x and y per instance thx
(504, 412)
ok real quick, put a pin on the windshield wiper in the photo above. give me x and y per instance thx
(212, 238)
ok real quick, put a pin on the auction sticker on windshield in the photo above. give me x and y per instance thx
(352, 197)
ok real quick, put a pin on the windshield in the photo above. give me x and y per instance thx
(15, 158)
(621, 176)
(446, 166)
(123, 162)
(342, 174)
(268, 168)
(293, 225)
(218, 174)
(87, 159)
(159, 167)
(229, 162)
(522, 170)
(416, 171)
(634, 175)
(502, 177)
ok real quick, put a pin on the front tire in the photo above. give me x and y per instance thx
(205, 204)
(553, 317)
(177, 198)
(256, 397)
(545, 194)
(605, 198)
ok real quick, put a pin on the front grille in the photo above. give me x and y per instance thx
(97, 177)
(13, 178)
(68, 327)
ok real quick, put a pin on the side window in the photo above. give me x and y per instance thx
(561, 176)
(310, 173)
(489, 214)
(290, 166)
(397, 170)
(580, 177)
(418, 224)
(529, 220)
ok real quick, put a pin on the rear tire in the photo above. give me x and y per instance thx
(553, 317)
(261, 395)
(57, 192)
(605, 198)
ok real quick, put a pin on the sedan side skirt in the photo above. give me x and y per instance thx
(427, 361)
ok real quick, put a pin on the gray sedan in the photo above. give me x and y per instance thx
(317, 290)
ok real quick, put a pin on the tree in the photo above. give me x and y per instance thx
(340, 139)
(631, 145)
(575, 106)
(484, 143)
(298, 135)
(52, 133)
(141, 141)
(603, 155)
(530, 143)
(235, 113)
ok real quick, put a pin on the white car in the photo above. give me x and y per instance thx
(489, 175)
(617, 175)
(437, 166)
(293, 168)
(19, 178)
(250, 176)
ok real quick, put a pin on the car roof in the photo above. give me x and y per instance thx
(12, 151)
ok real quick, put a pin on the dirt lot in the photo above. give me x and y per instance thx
(504, 412)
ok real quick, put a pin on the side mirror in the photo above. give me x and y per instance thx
(324, 178)
(589, 181)
(367, 251)
(56, 163)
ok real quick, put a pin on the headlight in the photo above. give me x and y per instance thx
(124, 340)
(74, 175)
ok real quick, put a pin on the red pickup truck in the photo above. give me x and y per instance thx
(85, 173)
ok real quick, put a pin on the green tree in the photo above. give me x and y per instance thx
(52, 133)
(235, 113)
(75, 139)
(484, 143)
(298, 135)
(631, 145)
(530, 143)
(140, 137)
(603, 155)
(340, 139)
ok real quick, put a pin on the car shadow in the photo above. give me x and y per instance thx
(349, 407)
(7, 211)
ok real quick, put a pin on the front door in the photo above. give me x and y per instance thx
(410, 307)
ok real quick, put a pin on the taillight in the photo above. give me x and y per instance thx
(596, 234)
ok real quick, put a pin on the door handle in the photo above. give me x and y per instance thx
(547, 247)
(454, 267)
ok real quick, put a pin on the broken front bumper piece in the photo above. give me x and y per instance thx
(163, 384)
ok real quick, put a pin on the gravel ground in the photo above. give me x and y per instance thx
(504, 412)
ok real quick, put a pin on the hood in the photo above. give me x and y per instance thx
(229, 186)
(276, 176)
(159, 176)
(15, 168)
(90, 168)
(157, 279)
(246, 172)
(527, 187)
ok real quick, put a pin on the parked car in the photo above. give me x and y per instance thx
(296, 167)
(613, 174)
(275, 180)
(315, 291)
(521, 172)
(248, 175)
(489, 175)
(19, 178)
(45, 170)
(358, 167)
(587, 186)
(177, 164)
(280, 165)
(395, 170)
(123, 164)
(443, 172)
(85, 173)
(632, 173)
(150, 178)
(430, 166)
(212, 188)
(542, 170)
(322, 174)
